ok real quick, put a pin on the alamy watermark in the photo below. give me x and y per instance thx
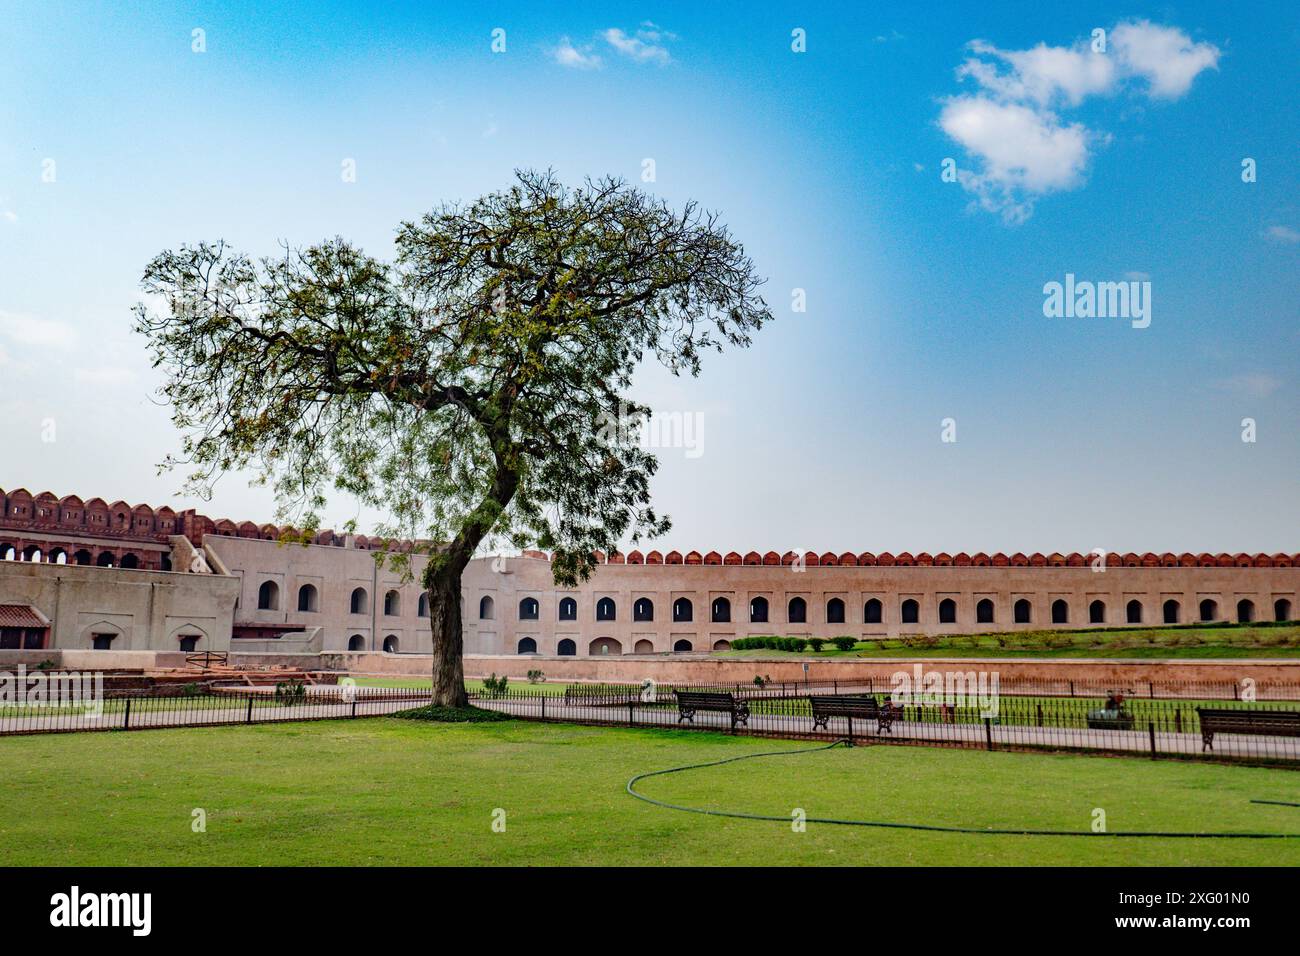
(683, 430)
(67, 690)
(977, 690)
(1083, 299)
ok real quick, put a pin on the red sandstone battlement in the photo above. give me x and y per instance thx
(21, 511)
(46, 513)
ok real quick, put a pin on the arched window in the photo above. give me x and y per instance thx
(721, 610)
(1281, 610)
(130, 561)
(422, 605)
(1245, 611)
(487, 608)
(758, 610)
(1133, 612)
(947, 611)
(681, 647)
(566, 648)
(1022, 612)
(189, 643)
(910, 612)
(1209, 609)
(1097, 612)
(102, 642)
(834, 611)
(1170, 609)
(527, 646)
(683, 610)
(360, 601)
(797, 612)
(644, 646)
(529, 609)
(1060, 611)
(9, 553)
(392, 604)
(606, 610)
(356, 643)
(82, 557)
(873, 611)
(390, 644)
(58, 556)
(105, 559)
(568, 609)
(643, 610)
(268, 596)
(984, 611)
(307, 598)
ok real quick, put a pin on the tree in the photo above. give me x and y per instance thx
(474, 389)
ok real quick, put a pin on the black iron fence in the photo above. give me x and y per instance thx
(205, 706)
(1158, 727)
(1021, 715)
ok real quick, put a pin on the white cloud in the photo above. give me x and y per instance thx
(1250, 384)
(1012, 129)
(24, 329)
(1165, 56)
(1024, 152)
(1043, 74)
(106, 376)
(645, 46)
(10, 215)
(566, 54)
(1283, 234)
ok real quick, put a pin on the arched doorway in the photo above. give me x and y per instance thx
(1281, 610)
(722, 645)
(682, 647)
(604, 646)
(1133, 612)
(644, 646)
(872, 611)
(1097, 612)
(910, 612)
(683, 610)
(1060, 612)
(984, 611)
(356, 643)
(1171, 610)
(1022, 612)
(526, 646)
(1245, 611)
(1209, 609)
(390, 644)
(947, 611)
(566, 648)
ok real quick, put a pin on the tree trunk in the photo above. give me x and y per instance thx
(445, 622)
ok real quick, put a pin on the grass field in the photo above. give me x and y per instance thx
(1210, 641)
(385, 791)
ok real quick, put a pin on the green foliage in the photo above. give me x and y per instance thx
(495, 686)
(453, 715)
(290, 692)
(476, 388)
(817, 643)
(844, 643)
(536, 676)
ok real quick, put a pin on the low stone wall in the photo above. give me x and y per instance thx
(715, 670)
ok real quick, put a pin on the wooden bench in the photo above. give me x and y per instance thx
(864, 708)
(690, 701)
(1264, 723)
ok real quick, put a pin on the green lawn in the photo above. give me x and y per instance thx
(384, 791)
(1213, 641)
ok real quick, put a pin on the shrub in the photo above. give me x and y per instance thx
(536, 677)
(817, 644)
(288, 693)
(759, 681)
(495, 686)
(844, 643)
(798, 644)
(453, 715)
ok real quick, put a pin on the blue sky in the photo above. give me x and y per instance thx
(922, 304)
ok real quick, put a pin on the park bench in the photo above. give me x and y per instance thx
(690, 701)
(865, 708)
(1266, 723)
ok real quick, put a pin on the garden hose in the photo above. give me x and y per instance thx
(929, 827)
